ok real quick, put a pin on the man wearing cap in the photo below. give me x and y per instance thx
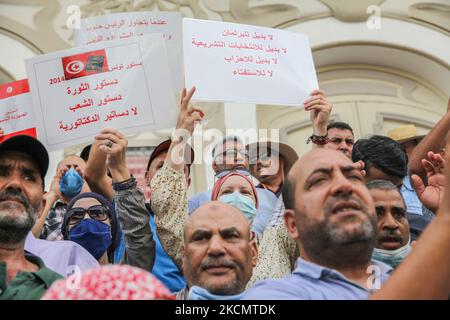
(23, 165)
(407, 137)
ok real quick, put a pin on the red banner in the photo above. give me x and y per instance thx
(15, 88)
(84, 64)
(28, 132)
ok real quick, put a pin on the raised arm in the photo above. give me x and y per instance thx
(169, 186)
(430, 194)
(95, 173)
(434, 141)
(425, 273)
(320, 110)
(132, 214)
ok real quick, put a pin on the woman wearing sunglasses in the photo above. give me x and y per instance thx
(91, 221)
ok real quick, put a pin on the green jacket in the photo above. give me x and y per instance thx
(27, 285)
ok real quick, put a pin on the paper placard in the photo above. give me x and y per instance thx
(126, 25)
(248, 64)
(124, 84)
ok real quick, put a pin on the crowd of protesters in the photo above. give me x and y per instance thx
(333, 223)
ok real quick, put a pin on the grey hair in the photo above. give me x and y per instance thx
(384, 185)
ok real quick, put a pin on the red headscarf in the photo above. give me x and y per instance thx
(109, 282)
(221, 181)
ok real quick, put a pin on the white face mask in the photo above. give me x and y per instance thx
(392, 257)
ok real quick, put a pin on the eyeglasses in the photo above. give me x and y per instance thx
(233, 153)
(97, 212)
(224, 172)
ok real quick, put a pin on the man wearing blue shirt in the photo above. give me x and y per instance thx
(330, 214)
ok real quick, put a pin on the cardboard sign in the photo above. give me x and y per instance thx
(127, 25)
(248, 64)
(124, 84)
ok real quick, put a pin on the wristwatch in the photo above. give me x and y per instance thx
(320, 140)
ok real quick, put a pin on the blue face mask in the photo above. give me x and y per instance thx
(240, 202)
(71, 183)
(198, 293)
(391, 257)
(93, 235)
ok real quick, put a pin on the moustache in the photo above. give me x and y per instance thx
(216, 263)
(328, 207)
(15, 195)
(389, 236)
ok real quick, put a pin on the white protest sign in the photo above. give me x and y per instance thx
(126, 25)
(16, 110)
(124, 84)
(242, 63)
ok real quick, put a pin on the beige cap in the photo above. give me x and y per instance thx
(405, 133)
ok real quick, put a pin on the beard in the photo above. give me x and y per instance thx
(17, 217)
(340, 242)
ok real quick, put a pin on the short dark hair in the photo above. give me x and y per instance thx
(383, 153)
(234, 139)
(85, 152)
(340, 125)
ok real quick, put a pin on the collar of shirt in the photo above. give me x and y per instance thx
(45, 275)
(317, 272)
(407, 184)
(277, 193)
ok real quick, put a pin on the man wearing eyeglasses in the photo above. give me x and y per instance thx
(228, 155)
(231, 155)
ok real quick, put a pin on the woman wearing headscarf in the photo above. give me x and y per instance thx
(91, 221)
(238, 191)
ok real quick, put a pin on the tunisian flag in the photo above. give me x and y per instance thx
(16, 110)
(84, 64)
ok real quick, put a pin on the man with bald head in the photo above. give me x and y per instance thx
(330, 214)
(218, 253)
